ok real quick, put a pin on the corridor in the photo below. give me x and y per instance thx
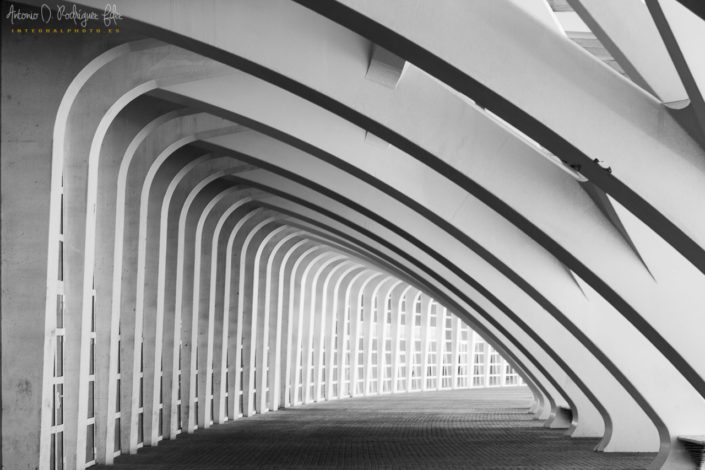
(352, 234)
(477, 428)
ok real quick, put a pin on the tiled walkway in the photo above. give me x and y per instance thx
(470, 429)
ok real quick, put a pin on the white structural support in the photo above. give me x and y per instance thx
(380, 197)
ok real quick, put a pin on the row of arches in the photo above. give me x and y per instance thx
(586, 281)
(190, 236)
(304, 320)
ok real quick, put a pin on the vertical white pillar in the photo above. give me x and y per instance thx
(337, 333)
(362, 309)
(295, 328)
(195, 203)
(457, 332)
(440, 343)
(249, 262)
(313, 335)
(412, 301)
(174, 200)
(261, 305)
(237, 297)
(106, 323)
(284, 323)
(156, 188)
(425, 334)
(368, 312)
(503, 372)
(199, 186)
(345, 341)
(382, 308)
(373, 315)
(288, 347)
(471, 356)
(397, 333)
(229, 225)
(205, 268)
(188, 283)
(275, 299)
(356, 314)
(487, 360)
(329, 328)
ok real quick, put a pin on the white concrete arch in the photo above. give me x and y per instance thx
(634, 111)
(76, 222)
(570, 306)
(196, 180)
(381, 334)
(58, 144)
(554, 272)
(341, 310)
(198, 197)
(473, 323)
(251, 342)
(402, 306)
(217, 316)
(374, 313)
(262, 309)
(152, 321)
(197, 303)
(298, 358)
(292, 337)
(329, 222)
(279, 185)
(328, 369)
(316, 316)
(282, 373)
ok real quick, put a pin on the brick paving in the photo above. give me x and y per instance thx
(460, 429)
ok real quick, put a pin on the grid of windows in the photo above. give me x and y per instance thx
(360, 382)
(417, 365)
(496, 369)
(478, 364)
(401, 372)
(510, 376)
(431, 367)
(388, 364)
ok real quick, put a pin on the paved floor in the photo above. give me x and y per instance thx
(470, 429)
